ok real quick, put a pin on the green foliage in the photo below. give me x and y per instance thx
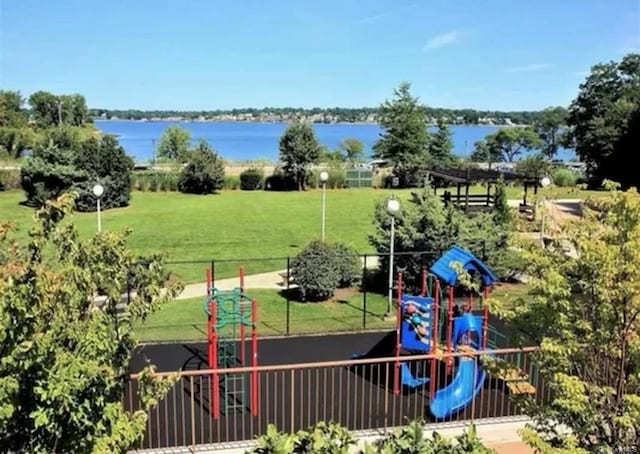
(324, 438)
(320, 268)
(14, 142)
(604, 121)
(299, 148)
(337, 178)
(550, 128)
(231, 182)
(204, 173)
(279, 181)
(534, 166)
(351, 149)
(502, 211)
(9, 179)
(174, 144)
(251, 179)
(426, 224)
(54, 110)
(563, 177)
(64, 358)
(52, 171)
(12, 112)
(583, 311)
(155, 181)
(441, 146)
(505, 144)
(404, 141)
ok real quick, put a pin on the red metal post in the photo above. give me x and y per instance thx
(434, 337)
(213, 359)
(254, 383)
(485, 319)
(423, 282)
(396, 369)
(208, 276)
(449, 325)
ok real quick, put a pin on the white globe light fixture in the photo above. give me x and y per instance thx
(545, 181)
(393, 208)
(98, 190)
(324, 176)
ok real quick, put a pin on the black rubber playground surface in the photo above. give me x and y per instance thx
(359, 397)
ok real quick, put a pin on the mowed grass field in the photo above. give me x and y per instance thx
(236, 224)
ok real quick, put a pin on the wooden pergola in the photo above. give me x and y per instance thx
(464, 178)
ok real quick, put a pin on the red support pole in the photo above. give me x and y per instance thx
(434, 337)
(242, 328)
(254, 383)
(485, 318)
(396, 369)
(423, 282)
(208, 276)
(449, 325)
(213, 359)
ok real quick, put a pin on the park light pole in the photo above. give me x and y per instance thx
(544, 182)
(98, 190)
(324, 176)
(393, 207)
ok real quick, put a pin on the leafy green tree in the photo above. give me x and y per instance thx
(64, 359)
(534, 166)
(426, 224)
(351, 149)
(505, 144)
(550, 128)
(299, 148)
(441, 145)
(204, 173)
(174, 144)
(74, 110)
(16, 141)
(45, 108)
(584, 312)
(604, 121)
(405, 139)
(12, 113)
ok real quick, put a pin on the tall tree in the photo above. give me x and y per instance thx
(174, 144)
(405, 139)
(441, 145)
(204, 172)
(12, 113)
(299, 148)
(351, 149)
(64, 359)
(550, 127)
(584, 312)
(45, 108)
(505, 144)
(604, 121)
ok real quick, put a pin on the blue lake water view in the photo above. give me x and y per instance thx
(248, 141)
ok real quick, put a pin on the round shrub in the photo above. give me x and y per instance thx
(320, 268)
(204, 173)
(564, 177)
(251, 179)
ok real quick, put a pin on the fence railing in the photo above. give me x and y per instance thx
(359, 394)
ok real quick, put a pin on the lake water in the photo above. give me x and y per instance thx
(247, 141)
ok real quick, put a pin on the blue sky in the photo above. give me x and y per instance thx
(209, 54)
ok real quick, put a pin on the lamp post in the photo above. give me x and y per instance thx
(544, 182)
(324, 176)
(98, 190)
(393, 207)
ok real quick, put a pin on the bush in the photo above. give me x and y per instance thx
(9, 179)
(251, 179)
(204, 173)
(279, 181)
(563, 177)
(320, 268)
(231, 182)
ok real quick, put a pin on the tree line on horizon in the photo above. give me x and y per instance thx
(320, 114)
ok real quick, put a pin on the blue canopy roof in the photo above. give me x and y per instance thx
(442, 268)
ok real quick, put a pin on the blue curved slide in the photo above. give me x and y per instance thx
(468, 380)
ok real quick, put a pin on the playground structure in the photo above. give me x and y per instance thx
(229, 315)
(426, 324)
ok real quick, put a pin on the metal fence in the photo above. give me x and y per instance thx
(359, 394)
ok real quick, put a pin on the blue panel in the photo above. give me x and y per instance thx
(410, 339)
(442, 269)
(466, 384)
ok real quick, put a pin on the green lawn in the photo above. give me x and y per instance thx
(235, 224)
(185, 319)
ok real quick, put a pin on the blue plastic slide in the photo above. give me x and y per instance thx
(469, 377)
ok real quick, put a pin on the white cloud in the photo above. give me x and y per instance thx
(532, 67)
(443, 39)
